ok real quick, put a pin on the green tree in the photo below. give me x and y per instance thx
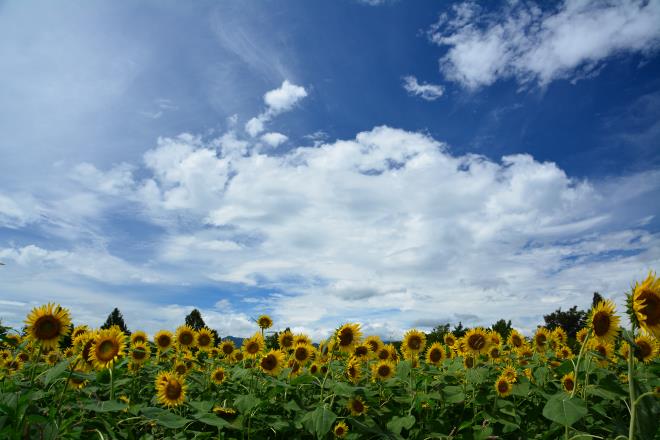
(437, 334)
(459, 331)
(503, 328)
(572, 320)
(194, 320)
(596, 299)
(66, 341)
(116, 318)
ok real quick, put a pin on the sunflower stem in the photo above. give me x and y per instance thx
(112, 381)
(631, 387)
(36, 362)
(577, 363)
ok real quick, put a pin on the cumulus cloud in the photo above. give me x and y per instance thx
(535, 45)
(277, 101)
(274, 139)
(429, 92)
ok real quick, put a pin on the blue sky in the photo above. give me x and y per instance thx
(384, 162)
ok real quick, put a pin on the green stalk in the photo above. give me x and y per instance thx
(577, 364)
(631, 389)
(112, 382)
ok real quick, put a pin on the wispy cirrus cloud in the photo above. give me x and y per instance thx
(426, 91)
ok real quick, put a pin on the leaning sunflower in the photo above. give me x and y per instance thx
(502, 386)
(272, 362)
(205, 339)
(435, 354)
(603, 322)
(646, 348)
(644, 305)
(185, 337)
(476, 341)
(108, 345)
(170, 389)
(348, 336)
(382, 370)
(48, 324)
(357, 407)
(414, 341)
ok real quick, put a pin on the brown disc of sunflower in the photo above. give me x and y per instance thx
(357, 407)
(348, 336)
(140, 353)
(435, 354)
(107, 346)
(382, 370)
(374, 343)
(185, 337)
(170, 389)
(503, 387)
(219, 375)
(48, 324)
(285, 339)
(139, 337)
(414, 341)
(302, 353)
(227, 347)
(354, 370)
(568, 382)
(603, 322)
(272, 362)
(253, 346)
(163, 340)
(646, 348)
(264, 322)
(515, 340)
(476, 341)
(541, 338)
(205, 339)
(340, 430)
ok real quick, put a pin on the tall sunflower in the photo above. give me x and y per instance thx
(559, 334)
(644, 305)
(362, 351)
(382, 370)
(163, 340)
(108, 345)
(205, 339)
(79, 330)
(301, 338)
(253, 346)
(435, 354)
(185, 337)
(264, 322)
(348, 336)
(170, 389)
(48, 324)
(414, 341)
(272, 362)
(510, 373)
(603, 322)
(646, 348)
(476, 341)
(581, 335)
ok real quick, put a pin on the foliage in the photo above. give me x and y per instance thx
(572, 320)
(194, 320)
(503, 327)
(116, 318)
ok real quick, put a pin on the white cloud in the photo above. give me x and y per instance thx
(524, 42)
(274, 139)
(429, 92)
(255, 125)
(277, 101)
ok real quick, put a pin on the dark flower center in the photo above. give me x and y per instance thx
(47, 327)
(651, 307)
(601, 323)
(173, 390)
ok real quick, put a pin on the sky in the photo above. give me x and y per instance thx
(397, 164)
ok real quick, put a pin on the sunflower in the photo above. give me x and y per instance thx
(476, 340)
(385, 352)
(509, 372)
(227, 347)
(361, 351)
(272, 362)
(139, 337)
(53, 357)
(180, 368)
(218, 375)
(185, 337)
(12, 340)
(559, 335)
(85, 343)
(414, 341)
(354, 370)
(564, 352)
(348, 336)
(644, 304)
(253, 345)
(224, 412)
(108, 345)
(264, 322)
(605, 349)
(48, 324)
(302, 353)
(435, 354)
(295, 368)
(285, 339)
(646, 348)
(581, 335)
(79, 330)
(515, 340)
(449, 340)
(236, 356)
(568, 382)
(13, 365)
(603, 322)
(77, 380)
(382, 370)
(170, 389)
(541, 338)
(374, 343)
(163, 340)
(340, 430)
(140, 353)
(468, 362)
(4, 355)
(314, 369)
(494, 338)
(357, 406)
(205, 339)
(23, 356)
(502, 386)
(301, 338)
(494, 353)
(624, 350)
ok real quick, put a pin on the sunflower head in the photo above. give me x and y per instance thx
(468, 362)
(494, 352)
(140, 353)
(354, 370)
(139, 337)
(180, 368)
(644, 305)
(301, 338)
(108, 345)
(163, 340)
(646, 348)
(340, 430)
(435, 354)
(559, 335)
(12, 340)
(581, 335)
(53, 357)
(361, 351)
(285, 339)
(476, 341)
(348, 336)
(603, 322)
(382, 370)
(357, 407)
(303, 353)
(515, 340)
(218, 375)
(253, 346)
(494, 338)
(568, 382)
(205, 339)
(224, 412)
(272, 362)
(264, 322)
(185, 337)
(374, 343)
(47, 324)
(227, 347)
(502, 386)
(77, 379)
(170, 389)
(79, 330)
(604, 349)
(414, 341)
(449, 340)
(541, 339)
(510, 373)
(314, 369)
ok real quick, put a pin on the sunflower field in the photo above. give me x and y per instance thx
(185, 385)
